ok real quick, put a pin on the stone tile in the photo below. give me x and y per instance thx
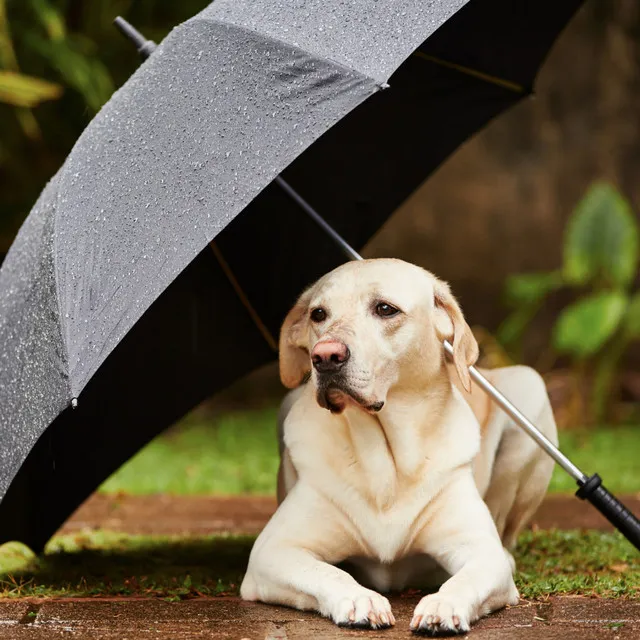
(12, 611)
(232, 619)
(582, 610)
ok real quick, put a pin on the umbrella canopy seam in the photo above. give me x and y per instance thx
(63, 341)
(350, 32)
(244, 299)
(269, 38)
(476, 73)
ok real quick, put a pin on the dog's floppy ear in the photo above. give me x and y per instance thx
(294, 352)
(451, 325)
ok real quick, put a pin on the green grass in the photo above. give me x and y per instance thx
(613, 452)
(232, 454)
(577, 562)
(237, 453)
(104, 563)
(173, 567)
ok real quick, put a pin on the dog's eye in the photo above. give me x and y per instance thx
(385, 310)
(318, 315)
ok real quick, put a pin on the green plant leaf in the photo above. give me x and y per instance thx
(51, 18)
(632, 317)
(85, 74)
(8, 59)
(530, 288)
(606, 372)
(28, 123)
(601, 239)
(585, 326)
(26, 91)
(514, 326)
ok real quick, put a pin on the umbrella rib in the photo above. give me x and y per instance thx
(262, 328)
(505, 84)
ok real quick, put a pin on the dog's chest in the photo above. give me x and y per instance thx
(359, 458)
(362, 479)
(389, 533)
(368, 466)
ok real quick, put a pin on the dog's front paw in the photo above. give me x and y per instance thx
(437, 615)
(363, 609)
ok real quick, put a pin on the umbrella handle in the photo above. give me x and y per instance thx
(611, 508)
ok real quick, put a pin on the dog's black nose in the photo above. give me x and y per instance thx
(329, 356)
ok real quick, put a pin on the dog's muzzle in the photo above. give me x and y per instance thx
(334, 394)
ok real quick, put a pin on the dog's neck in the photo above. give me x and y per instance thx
(392, 447)
(412, 419)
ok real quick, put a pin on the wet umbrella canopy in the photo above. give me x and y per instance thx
(158, 263)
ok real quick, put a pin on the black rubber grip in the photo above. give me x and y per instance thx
(611, 508)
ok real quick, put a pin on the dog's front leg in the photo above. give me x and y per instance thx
(292, 561)
(296, 578)
(463, 538)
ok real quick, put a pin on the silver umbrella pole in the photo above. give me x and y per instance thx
(591, 488)
(512, 411)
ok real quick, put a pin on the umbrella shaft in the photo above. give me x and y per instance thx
(511, 410)
(312, 213)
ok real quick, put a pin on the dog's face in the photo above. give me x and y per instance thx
(369, 326)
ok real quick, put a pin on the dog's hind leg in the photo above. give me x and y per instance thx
(521, 470)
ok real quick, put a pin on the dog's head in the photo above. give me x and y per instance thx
(368, 326)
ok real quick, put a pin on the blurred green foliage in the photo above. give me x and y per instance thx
(60, 60)
(236, 453)
(600, 266)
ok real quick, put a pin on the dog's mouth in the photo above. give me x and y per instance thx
(335, 395)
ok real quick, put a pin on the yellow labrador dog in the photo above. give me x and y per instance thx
(390, 467)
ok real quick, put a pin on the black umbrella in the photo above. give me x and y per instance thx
(158, 263)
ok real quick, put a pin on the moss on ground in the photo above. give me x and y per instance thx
(103, 563)
(577, 562)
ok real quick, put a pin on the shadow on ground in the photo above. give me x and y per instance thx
(103, 563)
(113, 564)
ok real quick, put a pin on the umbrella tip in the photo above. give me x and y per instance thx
(145, 47)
